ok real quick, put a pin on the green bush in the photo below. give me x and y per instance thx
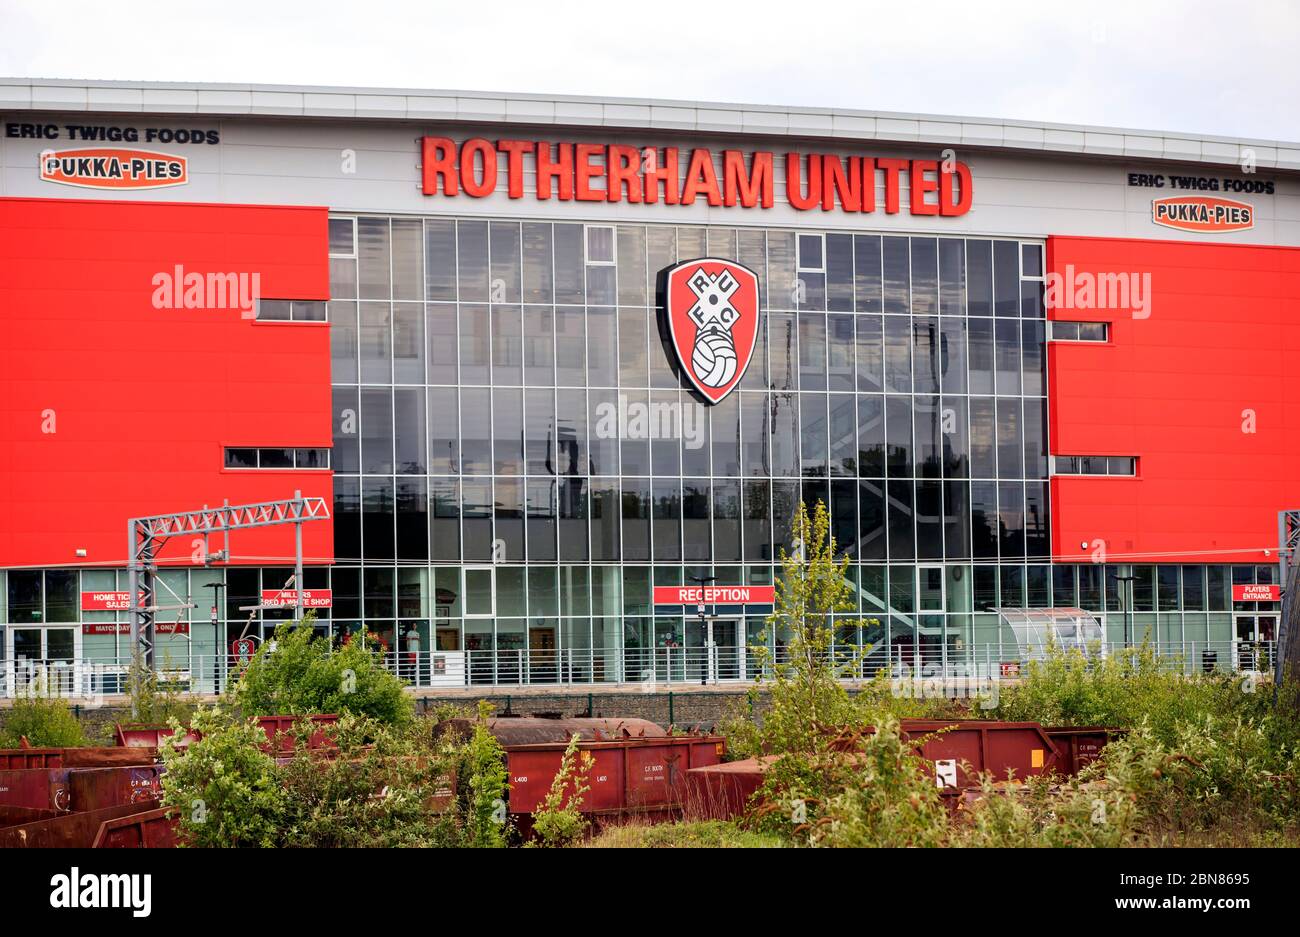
(483, 783)
(225, 789)
(379, 786)
(871, 790)
(1046, 812)
(46, 722)
(1217, 774)
(1070, 688)
(304, 675)
(559, 820)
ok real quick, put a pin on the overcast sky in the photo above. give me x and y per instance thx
(1230, 68)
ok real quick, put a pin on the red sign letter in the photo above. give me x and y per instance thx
(438, 160)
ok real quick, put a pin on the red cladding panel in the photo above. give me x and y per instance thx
(1202, 390)
(141, 400)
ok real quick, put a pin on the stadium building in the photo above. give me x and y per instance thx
(557, 365)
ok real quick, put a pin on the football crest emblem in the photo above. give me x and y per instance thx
(713, 320)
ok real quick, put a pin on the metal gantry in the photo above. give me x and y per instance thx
(1288, 563)
(147, 535)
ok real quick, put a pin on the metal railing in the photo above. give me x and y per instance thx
(93, 679)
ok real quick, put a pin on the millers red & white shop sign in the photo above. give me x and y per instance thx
(287, 598)
(1260, 593)
(601, 172)
(715, 595)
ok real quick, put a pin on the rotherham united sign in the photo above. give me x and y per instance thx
(715, 595)
(713, 319)
(598, 172)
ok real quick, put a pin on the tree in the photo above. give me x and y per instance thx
(805, 695)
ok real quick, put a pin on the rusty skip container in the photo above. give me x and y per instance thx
(69, 830)
(958, 750)
(147, 736)
(1079, 746)
(278, 731)
(722, 791)
(66, 779)
(638, 767)
(152, 829)
(962, 749)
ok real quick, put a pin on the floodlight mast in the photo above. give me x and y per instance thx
(147, 535)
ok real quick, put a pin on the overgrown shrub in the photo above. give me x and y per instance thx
(153, 700)
(1216, 773)
(46, 722)
(375, 785)
(1071, 688)
(304, 675)
(559, 820)
(1045, 811)
(483, 783)
(870, 790)
(224, 787)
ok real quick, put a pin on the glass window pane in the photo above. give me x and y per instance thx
(408, 258)
(979, 258)
(925, 276)
(410, 424)
(506, 263)
(867, 273)
(443, 341)
(897, 278)
(1006, 278)
(538, 260)
(373, 258)
(376, 344)
(377, 431)
(507, 328)
(440, 260)
(408, 343)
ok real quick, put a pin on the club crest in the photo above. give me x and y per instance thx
(713, 320)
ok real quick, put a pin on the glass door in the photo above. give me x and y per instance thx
(727, 649)
(480, 612)
(932, 651)
(1248, 653)
(45, 659)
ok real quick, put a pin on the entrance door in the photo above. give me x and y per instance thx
(728, 649)
(44, 660)
(1253, 637)
(713, 650)
(931, 648)
(541, 654)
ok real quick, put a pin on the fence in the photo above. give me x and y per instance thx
(93, 679)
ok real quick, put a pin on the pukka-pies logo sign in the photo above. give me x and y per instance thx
(109, 168)
(713, 320)
(1202, 213)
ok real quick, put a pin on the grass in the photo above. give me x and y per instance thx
(705, 834)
